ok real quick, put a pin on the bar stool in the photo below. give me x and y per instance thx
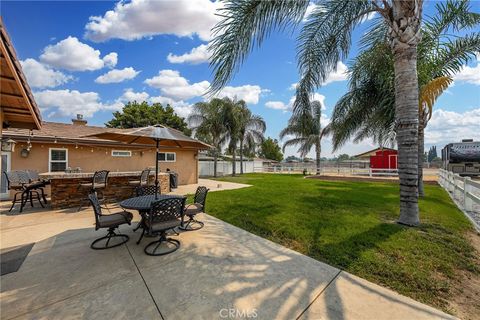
(142, 182)
(99, 183)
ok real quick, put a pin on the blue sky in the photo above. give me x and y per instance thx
(91, 57)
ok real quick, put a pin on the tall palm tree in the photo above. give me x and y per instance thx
(368, 110)
(232, 114)
(208, 122)
(323, 41)
(251, 130)
(307, 132)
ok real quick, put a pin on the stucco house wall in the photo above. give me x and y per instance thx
(90, 159)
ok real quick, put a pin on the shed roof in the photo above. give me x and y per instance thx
(372, 152)
(16, 99)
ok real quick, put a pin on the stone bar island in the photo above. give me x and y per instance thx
(65, 191)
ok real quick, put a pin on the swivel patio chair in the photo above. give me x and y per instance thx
(19, 181)
(110, 221)
(143, 179)
(99, 182)
(164, 215)
(198, 206)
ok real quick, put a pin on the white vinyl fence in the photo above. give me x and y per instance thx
(324, 170)
(464, 191)
(205, 168)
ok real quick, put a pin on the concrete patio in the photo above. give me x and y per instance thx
(219, 272)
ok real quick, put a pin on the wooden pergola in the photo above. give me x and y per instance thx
(18, 107)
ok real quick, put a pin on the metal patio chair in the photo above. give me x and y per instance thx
(146, 190)
(38, 183)
(164, 215)
(98, 183)
(111, 221)
(198, 206)
(143, 181)
(19, 181)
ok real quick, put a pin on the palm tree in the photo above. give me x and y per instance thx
(231, 115)
(307, 132)
(251, 130)
(368, 110)
(208, 122)
(323, 41)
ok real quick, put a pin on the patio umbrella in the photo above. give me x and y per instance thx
(158, 135)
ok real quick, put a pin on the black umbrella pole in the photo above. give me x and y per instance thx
(156, 173)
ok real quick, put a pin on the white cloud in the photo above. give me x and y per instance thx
(469, 74)
(130, 95)
(279, 105)
(248, 93)
(117, 75)
(111, 59)
(71, 54)
(182, 108)
(450, 126)
(339, 75)
(41, 76)
(293, 86)
(145, 18)
(197, 55)
(71, 102)
(174, 86)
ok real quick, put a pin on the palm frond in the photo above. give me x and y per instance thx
(246, 24)
(430, 92)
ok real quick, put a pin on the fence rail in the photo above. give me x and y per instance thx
(342, 171)
(463, 189)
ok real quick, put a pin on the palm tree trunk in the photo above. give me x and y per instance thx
(318, 150)
(421, 151)
(234, 163)
(215, 159)
(241, 157)
(406, 112)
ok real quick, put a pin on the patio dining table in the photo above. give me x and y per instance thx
(143, 203)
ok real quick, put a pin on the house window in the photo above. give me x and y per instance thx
(167, 157)
(58, 160)
(121, 153)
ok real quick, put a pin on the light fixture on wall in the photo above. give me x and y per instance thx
(24, 153)
(8, 145)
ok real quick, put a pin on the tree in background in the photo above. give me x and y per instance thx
(343, 157)
(251, 130)
(306, 132)
(269, 149)
(136, 115)
(208, 122)
(432, 153)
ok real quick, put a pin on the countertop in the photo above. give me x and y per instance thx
(80, 175)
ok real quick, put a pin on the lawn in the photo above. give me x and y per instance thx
(351, 225)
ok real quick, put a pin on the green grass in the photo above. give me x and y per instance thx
(351, 225)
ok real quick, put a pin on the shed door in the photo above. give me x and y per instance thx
(392, 161)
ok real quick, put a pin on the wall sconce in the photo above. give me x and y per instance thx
(8, 145)
(195, 156)
(24, 153)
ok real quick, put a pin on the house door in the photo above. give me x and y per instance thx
(5, 166)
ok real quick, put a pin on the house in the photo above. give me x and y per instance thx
(380, 158)
(66, 146)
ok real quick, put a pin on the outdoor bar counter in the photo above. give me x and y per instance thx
(64, 191)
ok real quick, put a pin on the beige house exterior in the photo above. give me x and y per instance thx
(61, 146)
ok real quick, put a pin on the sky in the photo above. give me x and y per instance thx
(91, 57)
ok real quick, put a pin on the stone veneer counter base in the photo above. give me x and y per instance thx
(65, 192)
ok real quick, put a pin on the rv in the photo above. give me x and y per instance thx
(462, 158)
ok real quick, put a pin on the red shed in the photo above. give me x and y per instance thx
(381, 158)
